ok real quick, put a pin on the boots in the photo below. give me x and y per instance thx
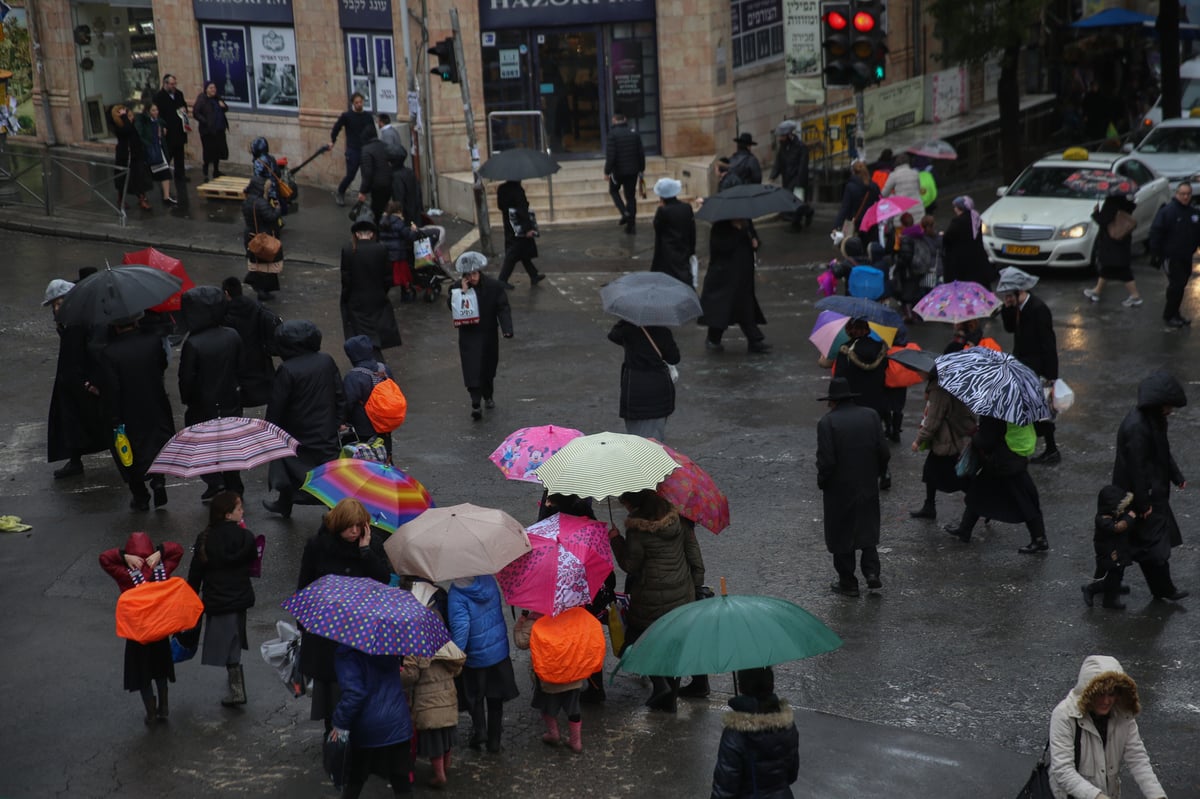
(163, 710)
(1089, 592)
(446, 760)
(926, 511)
(495, 724)
(551, 736)
(237, 687)
(575, 736)
(439, 771)
(697, 688)
(149, 705)
(662, 695)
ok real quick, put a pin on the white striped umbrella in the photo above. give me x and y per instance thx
(224, 444)
(606, 465)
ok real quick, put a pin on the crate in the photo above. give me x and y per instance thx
(226, 187)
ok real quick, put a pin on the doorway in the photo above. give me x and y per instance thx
(568, 74)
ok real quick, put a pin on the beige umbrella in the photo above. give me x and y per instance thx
(458, 541)
(606, 465)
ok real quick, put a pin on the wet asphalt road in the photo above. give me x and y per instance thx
(972, 644)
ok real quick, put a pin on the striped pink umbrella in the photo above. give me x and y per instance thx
(225, 444)
(886, 209)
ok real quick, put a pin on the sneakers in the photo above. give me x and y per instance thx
(339, 199)
(1178, 321)
(1091, 295)
(1131, 302)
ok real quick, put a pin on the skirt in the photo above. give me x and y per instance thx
(435, 743)
(493, 682)
(1012, 498)
(551, 704)
(224, 639)
(145, 663)
(1121, 272)
(939, 473)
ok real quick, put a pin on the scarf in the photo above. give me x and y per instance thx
(966, 204)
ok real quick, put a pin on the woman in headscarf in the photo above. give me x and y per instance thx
(261, 216)
(964, 255)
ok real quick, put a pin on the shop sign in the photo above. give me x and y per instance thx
(365, 15)
(277, 83)
(894, 106)
(628, 83)
(510, 64)
(947, 95)
(548, 13)
(227, 57)
(270, 11)
(802, 49)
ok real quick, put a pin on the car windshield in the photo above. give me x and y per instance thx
(1172, 140)
(1048, 181)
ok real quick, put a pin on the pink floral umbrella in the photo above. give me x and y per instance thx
(887, 208)
(694, 493)
(957, 301)
(570, 560)
(519, 455)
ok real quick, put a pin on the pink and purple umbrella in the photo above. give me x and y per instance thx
(695, 494)
(570, 560)
(389, 495)
(519, 455)
(369, 616)
(224, 444)
(887, 208)
(957, 301)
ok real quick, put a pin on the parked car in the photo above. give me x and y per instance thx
(1172, 149)
(1189, 95)
(1041, 222)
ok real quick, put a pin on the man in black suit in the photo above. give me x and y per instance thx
(169, 101)
(624, 163)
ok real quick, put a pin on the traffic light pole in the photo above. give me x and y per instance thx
(481, 210)
(860, 126)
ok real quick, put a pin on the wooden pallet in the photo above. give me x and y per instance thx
(226, 187)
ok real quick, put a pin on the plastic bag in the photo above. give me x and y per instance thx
(422, 253)
(1064, 396)
(121, 444)
(283, 655)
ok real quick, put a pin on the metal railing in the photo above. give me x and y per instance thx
(58, 181)
(539, 141)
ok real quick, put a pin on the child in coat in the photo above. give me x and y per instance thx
(1115, 523)
(549, 697)
(476, 622)
(759, 753)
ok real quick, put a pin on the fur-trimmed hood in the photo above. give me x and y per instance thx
(745, 721)
(667, 525)
(1101, 674)
(866, 353)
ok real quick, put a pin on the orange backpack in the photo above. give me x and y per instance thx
(387, 406)
(566, 647)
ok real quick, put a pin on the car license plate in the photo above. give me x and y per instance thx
(1021, 249)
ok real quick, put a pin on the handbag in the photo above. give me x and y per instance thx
(1121, 225)
(263, 246)
(850, 226)
(1038, 784)
(282, 189)
(672, 370)
(464, 307)
(967, 464)
(334, 756)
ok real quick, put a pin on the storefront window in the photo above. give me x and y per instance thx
(255, 67)
(117, 59)
(633, 79)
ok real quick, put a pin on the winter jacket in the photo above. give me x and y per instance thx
(220, 570)
(514, 209)
(863, 362)
(624, 155)
(255, 326)
(434, 698)
(666, 558)
(153, 133)
(947, 424)
(307, 400)
(674, 240)
(1175, 231)
(476, 622)
(759, 754)
(209, 358)
(397, 152)
(647, 391)
(209, 115)
(373, 705)
(857, 197)
(963, 254)
(745, 165)
(1034, 343)
(791, 164)
(905, 182)
(169, 104)
(374, 166)
(1099, 769)
(113, 560)
(397, 237)
(132, 367)
(360, 382)
(259, 216)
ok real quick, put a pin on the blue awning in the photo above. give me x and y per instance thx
(1113, 18)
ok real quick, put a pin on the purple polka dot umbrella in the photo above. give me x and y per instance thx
(369, 616)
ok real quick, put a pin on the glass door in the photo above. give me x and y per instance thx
(569, 77)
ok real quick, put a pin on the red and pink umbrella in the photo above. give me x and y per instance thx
(570, 560)
(164, 263)
(887, 208)
(519, 455)
(694, 493)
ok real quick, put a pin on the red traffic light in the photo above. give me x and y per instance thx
(836, 20)
(864, 22)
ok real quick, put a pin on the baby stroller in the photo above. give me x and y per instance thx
(429, 272)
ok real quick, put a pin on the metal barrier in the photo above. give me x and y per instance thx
(59, 182)
(539, 142)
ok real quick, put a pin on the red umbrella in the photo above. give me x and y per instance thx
(694, 493)
(164, 263)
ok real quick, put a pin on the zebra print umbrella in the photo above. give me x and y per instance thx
(993, 384)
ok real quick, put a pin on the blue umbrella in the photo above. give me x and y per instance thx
(860, 308)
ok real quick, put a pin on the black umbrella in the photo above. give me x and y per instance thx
(748, 201)
(520, 163)
(650, 298)
(113, 294)
(917, 360)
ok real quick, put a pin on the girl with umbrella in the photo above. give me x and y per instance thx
(945, 431)
(146, 665)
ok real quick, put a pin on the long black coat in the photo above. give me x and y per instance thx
(132, 366)
(255, 325)
(963, 254)
(208, 360)
(168, 111)
(221, 575)
(376, 171)
(366, 310)
(791, 164)
(306, 401)
(131, 155)
(674, 240)
(478, 345)
(1113, 254)
(1144, 465)
(1003, 489)
(327, 553)
(1034, 342)
(759, 755)
(511, 196)
(647, 391)
(851, 455)
(76, 423)
(727, 297)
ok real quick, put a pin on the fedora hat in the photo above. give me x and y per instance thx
(839, 389)
(745, 140)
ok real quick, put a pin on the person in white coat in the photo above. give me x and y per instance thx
(1100, 713)
(904, 181)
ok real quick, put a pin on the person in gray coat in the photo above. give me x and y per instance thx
(852, 454)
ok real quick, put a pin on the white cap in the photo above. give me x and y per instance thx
(57, 288)
(668, 188)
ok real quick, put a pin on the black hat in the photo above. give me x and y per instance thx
(839, 389)
(363, 225)
(745, 140)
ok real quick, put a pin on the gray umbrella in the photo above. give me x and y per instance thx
(113, 294)
(520, 163)
(651, 298)
(748, 201)
(917, 360)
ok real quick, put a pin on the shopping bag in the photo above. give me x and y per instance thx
(1064, 396)
(155, 610)
(464, 307)
(179, 652)
(264, 247)
(694, 265)
(1038, 784)
(423, 252)
(121, 444)
(283, 655)
(968, 463)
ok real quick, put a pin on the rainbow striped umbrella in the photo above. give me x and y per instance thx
(389, 495)
(224, 444)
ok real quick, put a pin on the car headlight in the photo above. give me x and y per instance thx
(1074, 231)
(984, 228)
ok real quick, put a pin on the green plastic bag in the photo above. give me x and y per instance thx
(1021, 439)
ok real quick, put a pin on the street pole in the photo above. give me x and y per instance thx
(429, 178)
(860, 126)
(410, 87)
(481, 211)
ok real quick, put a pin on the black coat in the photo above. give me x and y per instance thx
(511, 197)
(963, 254)
(745, 165)
(624, 155)
(478, 345)
(728, 296)
(759, 754)
(647, 391)
(407, 191)
(857, 197)
(791, 164)
(863, 362)
(1003, 489)
(76, 424)
(168, 111)
(366, 310)
(260, 216)
(327, 553)
(1034, 342)
(220, 569)
(376, 171)
(1175, 231)
(255, 326)
(208, 360)
(851, 455)
(306, 401)
(674, 240)
(132, 366)
(1113, 253)
(131, 155)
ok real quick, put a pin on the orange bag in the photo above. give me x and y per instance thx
(386, 407)
(567, 647)
(898, 375)
(154, 611)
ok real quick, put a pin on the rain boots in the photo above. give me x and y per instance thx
(439, 771)
(551, 736)
(163, 709)
(237, 687)
(574, 736)
(150, 706)
(663, 692)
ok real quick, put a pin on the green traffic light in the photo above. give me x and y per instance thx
(879, 72)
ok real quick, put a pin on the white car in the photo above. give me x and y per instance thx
(1040, 222)
(1172, 149)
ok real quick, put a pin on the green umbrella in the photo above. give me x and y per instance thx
(728, 633)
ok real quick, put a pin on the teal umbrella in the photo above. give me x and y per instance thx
(728, 633)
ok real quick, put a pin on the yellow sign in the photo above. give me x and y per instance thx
(828, 135)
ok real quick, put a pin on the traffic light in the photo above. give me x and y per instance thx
(835, 43)
(447, 67)
(868, 46)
